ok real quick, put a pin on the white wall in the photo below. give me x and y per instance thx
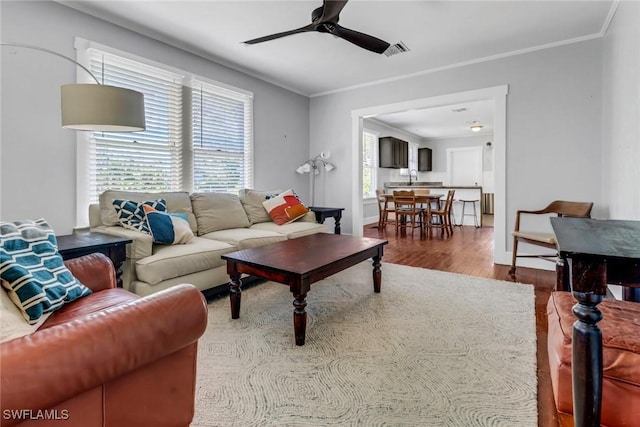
(38, 165)
(621, 113)
(553, 122)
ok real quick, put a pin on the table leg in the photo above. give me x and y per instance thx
(587, 341)
(235, 294)
(118, 256)
(337, 229)
(300, 318)
(377, 274)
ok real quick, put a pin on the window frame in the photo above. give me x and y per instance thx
(374, 163)
(84, 147)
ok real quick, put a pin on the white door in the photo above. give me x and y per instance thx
(464, 166)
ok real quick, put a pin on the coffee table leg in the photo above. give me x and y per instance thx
(377, 274)
(235, 294)
(300, 318)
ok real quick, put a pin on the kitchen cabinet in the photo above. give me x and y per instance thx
(393, 152)
(424, 159)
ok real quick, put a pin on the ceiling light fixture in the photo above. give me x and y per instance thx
(476, 127)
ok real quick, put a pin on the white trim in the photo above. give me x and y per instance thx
(609, 18)
(463, 64)
(499, 96)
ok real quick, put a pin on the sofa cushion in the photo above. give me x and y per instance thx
(218, 211)
(132, 214)
(93, 303)
(33, 272)
(13, 322)
(285, 208)
(252, 203)
(177, 202)
(293, 229)
(245, 238)
(172, 261)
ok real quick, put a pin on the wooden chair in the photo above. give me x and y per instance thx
(547, 240)
(408, 214)
(383, 210)
(422, 192)
(441, 218)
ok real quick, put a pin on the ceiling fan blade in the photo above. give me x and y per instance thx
(365, 41)
(310, 27)
(331, 9)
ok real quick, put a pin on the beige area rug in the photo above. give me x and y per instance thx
(432, 349)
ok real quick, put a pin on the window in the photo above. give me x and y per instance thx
(150, 160)
(199, 134)
(222, 142)
(413, 160)
(369, 164)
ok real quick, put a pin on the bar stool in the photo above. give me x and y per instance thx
(474, 214)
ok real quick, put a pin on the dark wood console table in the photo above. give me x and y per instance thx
(593, 253)
(77, 245)
(324, 213)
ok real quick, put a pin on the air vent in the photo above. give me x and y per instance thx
(395, 49)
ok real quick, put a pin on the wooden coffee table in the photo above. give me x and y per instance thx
(300, 262)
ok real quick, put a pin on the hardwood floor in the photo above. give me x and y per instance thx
(470, 251)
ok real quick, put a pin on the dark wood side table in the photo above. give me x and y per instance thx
(593, 253)
(324, 213)
(77, 245)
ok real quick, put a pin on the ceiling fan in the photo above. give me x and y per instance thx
(325, 20)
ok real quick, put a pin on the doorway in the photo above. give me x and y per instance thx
(496, 94)
(464, 166)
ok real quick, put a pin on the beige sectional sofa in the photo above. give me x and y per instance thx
(221, 223)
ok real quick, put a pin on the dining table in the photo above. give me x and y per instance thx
(426, 200)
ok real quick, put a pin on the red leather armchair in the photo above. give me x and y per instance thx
(109, 359)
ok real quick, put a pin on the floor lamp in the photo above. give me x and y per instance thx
(96, 107)
(312, 167)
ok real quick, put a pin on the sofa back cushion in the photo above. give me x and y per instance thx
(177, 202)
(218, 211)
(252, 203)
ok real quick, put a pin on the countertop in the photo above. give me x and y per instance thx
(420, 184)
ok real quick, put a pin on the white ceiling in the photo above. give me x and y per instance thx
(439, 34)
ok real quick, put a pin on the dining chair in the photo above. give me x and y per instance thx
(547, 240)
(422, 192)
(384, 209)
(408, 214)
(441, 217)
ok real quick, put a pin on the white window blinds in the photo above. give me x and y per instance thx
(222, 139)
(142, 161)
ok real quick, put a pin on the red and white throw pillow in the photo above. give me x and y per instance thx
(285, 208)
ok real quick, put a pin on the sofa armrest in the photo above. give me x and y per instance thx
(95, 271)
(141, 245)
(55, 364)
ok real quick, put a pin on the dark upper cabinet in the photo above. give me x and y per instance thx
(424, 159)
(393, 152)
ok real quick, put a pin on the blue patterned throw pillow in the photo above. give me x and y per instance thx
(33, 272)
(132, 216)
(168, 228)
